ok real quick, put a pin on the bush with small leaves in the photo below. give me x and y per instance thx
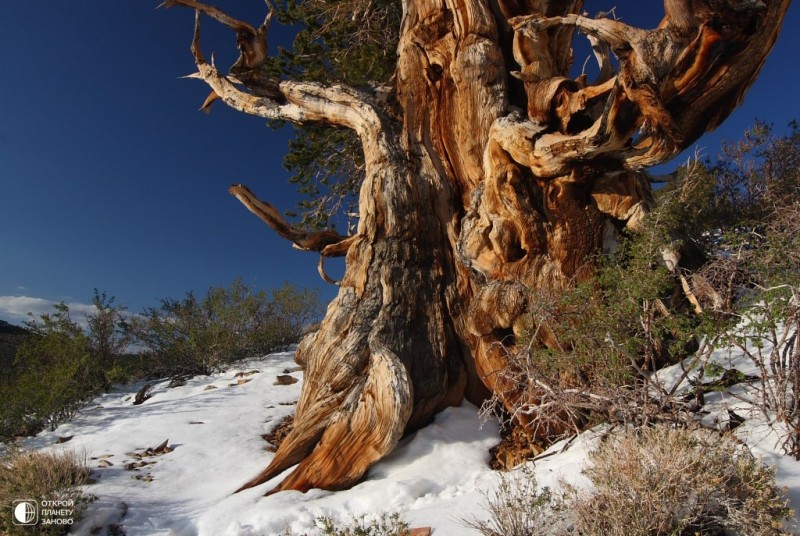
(721, 243)
(205, 335)
(59, 367)
(518, 508)
(385, 524)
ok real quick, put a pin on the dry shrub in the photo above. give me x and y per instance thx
(518, 508)
(769, 338)
(41, 475)
(668, 481)
(384, 524)
(651, 481)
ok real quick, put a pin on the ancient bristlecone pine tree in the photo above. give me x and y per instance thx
(489, 171)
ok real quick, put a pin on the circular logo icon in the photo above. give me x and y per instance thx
(25, 512)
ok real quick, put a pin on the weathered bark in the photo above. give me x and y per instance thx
(488, 172)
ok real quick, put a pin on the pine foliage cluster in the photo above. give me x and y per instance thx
(347, 41)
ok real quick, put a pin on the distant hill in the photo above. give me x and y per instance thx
(11, 336)
(6, 328)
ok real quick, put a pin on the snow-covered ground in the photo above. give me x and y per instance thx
(436, 477)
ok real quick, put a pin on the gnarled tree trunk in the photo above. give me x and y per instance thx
(489, 171)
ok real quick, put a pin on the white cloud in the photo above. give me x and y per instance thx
(15, 309)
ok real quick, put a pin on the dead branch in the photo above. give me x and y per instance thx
(642, 54)
(615, 33)
(602, 52)
(198, 57)
(304, 240)
(251, 42)
(216, 14)
(322, 273)
(299, 102)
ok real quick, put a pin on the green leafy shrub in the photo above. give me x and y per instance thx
(109, 336)
(41, 475)
(768, 336)
(753, 273)
(586, 354)
(204, 335)
(721, 243)
(61, 365)
(10, 338)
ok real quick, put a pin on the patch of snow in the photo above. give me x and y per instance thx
(436, 477)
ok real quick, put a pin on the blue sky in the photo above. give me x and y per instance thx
(112, 179)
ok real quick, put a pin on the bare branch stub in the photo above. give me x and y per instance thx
(320, 241)
(200, 59)
(213, 12)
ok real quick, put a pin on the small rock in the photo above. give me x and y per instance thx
(210, 387)
(115, 530)
(244, 374)
(177, 382)
(241, 381)
(285, 379)
(163, 448)
(64, 439)
(132, 466)
(143, 394)
(196, 422)
(734, 420)
(105, 463)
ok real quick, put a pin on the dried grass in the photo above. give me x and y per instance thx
(670, 481)
(41, 475)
